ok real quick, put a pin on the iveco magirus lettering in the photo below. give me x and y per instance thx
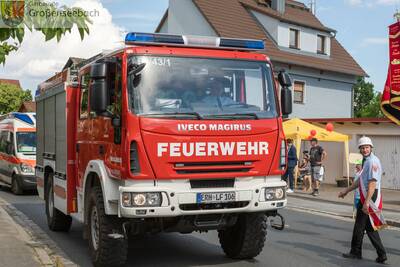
(167, 134)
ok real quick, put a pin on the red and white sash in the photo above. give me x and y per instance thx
(375, 207)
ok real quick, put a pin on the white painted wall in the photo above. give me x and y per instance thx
(270, 24)
(164, 27)
(185, 18)
(307, 38)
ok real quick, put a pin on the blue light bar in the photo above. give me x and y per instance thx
(242, 43)
(135, 37)
(193, 41)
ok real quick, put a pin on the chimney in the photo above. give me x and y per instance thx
(278, 5)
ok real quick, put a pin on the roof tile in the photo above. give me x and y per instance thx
(230, 18)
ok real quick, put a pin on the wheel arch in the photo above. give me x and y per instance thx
(96, 175)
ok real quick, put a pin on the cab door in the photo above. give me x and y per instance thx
(107, 127)
(84, 128)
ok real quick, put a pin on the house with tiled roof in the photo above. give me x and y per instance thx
(27, 106)
(10, 81)
(322, 70)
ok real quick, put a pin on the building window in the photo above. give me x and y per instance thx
(299, 88)
(294, 39)
(321, 44)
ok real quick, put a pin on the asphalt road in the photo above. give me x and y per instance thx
(308, 240)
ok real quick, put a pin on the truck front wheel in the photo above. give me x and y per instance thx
(107, 247)
(56, 220)
(245, 239)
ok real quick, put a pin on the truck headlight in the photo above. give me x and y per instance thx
(126, 199)
(279, 193)
(141, 199)
(276, 193)
(269, 193)
(25, 168)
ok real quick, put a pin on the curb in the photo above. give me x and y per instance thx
(331, 201)
(46, 249)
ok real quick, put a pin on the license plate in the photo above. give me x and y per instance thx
(216, 197)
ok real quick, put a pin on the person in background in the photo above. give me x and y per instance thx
(369, 216)
(292, 163)
(317, 155)
(356, 177)
(305, 171)
(216, 97)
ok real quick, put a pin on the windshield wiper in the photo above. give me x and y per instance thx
(253, 116)
(180, 115)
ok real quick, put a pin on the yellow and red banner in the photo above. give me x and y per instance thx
(390, 102)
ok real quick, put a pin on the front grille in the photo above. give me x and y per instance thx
(211, 164)
(210, 171)
(133, 158)
(212, 167)
(214, 206)
(218, 183)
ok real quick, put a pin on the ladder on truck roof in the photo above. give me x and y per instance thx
(68, 75)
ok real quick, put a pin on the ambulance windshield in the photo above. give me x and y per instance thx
(183, 87)
(26, 142)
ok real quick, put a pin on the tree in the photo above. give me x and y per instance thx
(366, 100)
(11, 97)
(51, 20)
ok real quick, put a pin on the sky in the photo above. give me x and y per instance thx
(361, 28)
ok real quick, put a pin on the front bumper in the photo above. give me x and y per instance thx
(27, 182)
(180, 199)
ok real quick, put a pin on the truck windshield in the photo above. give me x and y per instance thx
(182, 87)
(26, 142)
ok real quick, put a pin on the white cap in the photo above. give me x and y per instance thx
(364, 141)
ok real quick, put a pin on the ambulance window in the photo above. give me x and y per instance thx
(84, 96)
(10, 145)
(3, 141)
(6, 146)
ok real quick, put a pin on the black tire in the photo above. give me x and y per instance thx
(16, 186)
(104, 250)
(56, 220)
(245, 239)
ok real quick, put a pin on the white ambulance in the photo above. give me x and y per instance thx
(18, 151)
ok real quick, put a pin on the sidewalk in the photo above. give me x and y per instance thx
(327, 201)
(15, 248)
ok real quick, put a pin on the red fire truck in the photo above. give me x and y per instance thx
(167, 134)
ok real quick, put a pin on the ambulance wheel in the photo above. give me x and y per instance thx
(56, 220)
(105, 248)
(245, 239)
(15, 186)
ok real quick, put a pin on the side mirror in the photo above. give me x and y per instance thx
(98, 71)
(99, 96)
(286, 101)
(98, 91)
(284, 79)
(286, 93)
